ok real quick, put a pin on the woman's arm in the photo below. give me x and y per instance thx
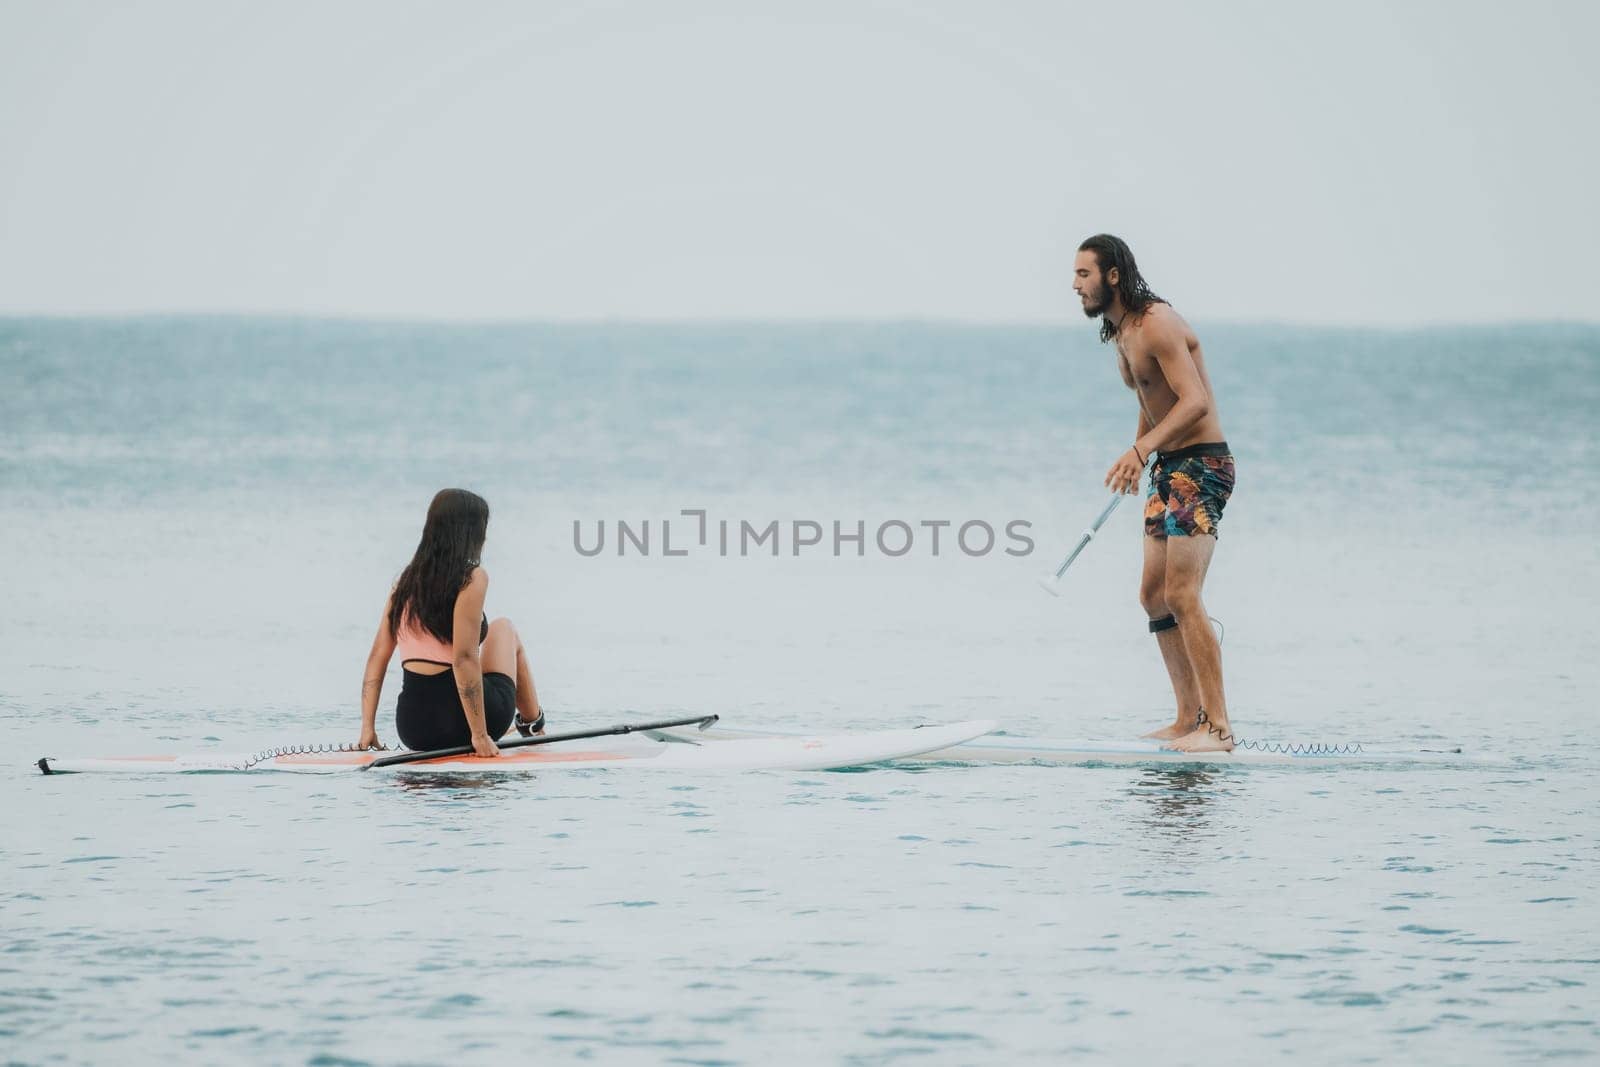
(468, 667)
(372, 679)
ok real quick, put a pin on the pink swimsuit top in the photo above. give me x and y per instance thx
(414, 642)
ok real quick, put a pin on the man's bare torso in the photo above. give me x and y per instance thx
(1142, 373)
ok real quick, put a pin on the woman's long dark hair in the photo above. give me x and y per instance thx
(452, 541)
(1131, 287)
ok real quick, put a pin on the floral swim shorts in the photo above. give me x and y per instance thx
(1188, 489)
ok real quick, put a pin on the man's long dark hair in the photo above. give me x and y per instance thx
(452, 541)
(1131, 287)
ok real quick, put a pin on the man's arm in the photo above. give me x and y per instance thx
(1166, 340)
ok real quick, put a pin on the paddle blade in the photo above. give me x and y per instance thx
(1050, 584)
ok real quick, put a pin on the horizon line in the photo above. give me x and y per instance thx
(358, 318)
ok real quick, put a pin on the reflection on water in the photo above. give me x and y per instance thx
(1178, 798)
(429, 783)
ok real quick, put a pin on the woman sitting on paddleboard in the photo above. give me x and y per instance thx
(466, 678)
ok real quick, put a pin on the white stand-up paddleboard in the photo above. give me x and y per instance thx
(789, 752)
(1000, 748)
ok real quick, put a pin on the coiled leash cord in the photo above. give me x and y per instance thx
(1282, 748)
(305, 750)
(526, 729)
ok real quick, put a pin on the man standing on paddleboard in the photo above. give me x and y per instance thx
(1190, 480)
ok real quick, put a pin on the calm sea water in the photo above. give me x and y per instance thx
(200, 518)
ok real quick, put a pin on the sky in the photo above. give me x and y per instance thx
(1384, 163)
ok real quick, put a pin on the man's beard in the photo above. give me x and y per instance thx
(1098, 301)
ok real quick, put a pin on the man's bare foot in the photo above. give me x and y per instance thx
(1170, 731)
(1209, 737)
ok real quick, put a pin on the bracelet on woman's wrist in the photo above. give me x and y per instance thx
(1136, 453)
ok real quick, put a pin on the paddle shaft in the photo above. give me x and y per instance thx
(576, 735)
(1088, 535)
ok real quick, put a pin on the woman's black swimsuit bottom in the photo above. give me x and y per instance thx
(429, 715)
